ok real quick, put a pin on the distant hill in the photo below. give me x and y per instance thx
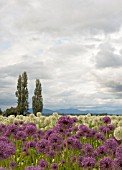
(76, 111)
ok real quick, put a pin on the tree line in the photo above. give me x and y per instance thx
(22, 97)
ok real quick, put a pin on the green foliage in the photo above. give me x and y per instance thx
(37, 100)
(22, 94)
(10, 111)
(0, 111)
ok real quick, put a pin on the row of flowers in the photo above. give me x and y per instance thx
(47, 122)
(61, 142)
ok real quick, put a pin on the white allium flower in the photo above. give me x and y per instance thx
(11, 118)
(21, 117)
(88, 115)
(120, 123)
(47, 121)
(39, 114)
(118, 133)
(16, 120)
(114, 123)
(32, 116)
(55, 114)
(27, 121)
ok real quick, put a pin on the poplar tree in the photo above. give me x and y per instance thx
(37, 100)
(22, 94)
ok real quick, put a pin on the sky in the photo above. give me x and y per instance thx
(73, 46)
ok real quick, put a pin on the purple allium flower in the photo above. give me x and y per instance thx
(30, 130)
(48, 133)
(55, 138)
(106, 120)
(1, 168)
(13, 165)
(32, 123)
(32, 168)
(42, 146)
(99, 137)
(65, 122)
(16, 123)
(88, 149)
(73, 143)
(88, 162)
(84, 129)
(74, 129)
(6, 150)
(68, 134)
(111, 127)
(106, 130)
(4, 139)
(101, 128)
(93, 132)
(30, 144)
(51, 154)
(118, 163)
(40, 133)
(77, 144)
(20, 135)
(79, 133)
(2, 128)
(106, 164)
(75, 119)
(69, 141)
(59, 129)
(11, 130)
(80, 159)
(54, 166)
(119, 151)
(43, 164)
(63, 161)
(21, 122)
(111, 144)
(101, 150)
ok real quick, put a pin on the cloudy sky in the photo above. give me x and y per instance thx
(73, 46)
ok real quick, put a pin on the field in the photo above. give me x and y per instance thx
(61, 142)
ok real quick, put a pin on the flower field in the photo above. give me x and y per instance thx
(61, 142)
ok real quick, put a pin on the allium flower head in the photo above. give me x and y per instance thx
(38, 114)
(12, 164)
(111, 144)
(118, 133)
(119, 151)
(88, 162)
(106, 120)
(118, 163)
(42, 146)
(101, 150)
(54, 166)
(106, 164)
(43, 164)
(65, 121)
(111, 127)
(6, 150)
(32, 168)
(88, 149)
(30, 130)
(55, 138)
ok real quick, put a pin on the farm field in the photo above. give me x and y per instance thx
(61, 142)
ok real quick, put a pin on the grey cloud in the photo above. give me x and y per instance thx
(106, 57)
(109, 84)
(61, 17)
(36, 70)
